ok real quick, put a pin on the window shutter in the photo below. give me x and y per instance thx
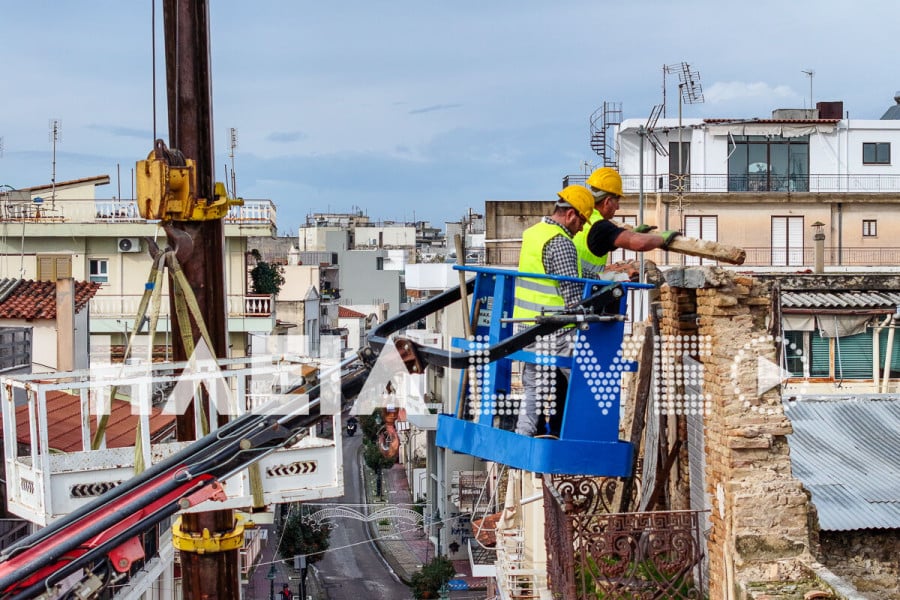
(63, 267)
(45, 268)
(779, 241)
(795, 241)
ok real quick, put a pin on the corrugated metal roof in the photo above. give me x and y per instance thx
(846, 452)
(839, 299)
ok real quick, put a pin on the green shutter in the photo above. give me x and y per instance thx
(820, 356)
(853, 357)
(895, 353)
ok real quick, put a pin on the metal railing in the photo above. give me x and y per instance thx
(757, 256)
(593, 554)
(126, 305)
(754, 182)
(116, 211)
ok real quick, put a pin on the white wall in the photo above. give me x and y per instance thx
(431, 276)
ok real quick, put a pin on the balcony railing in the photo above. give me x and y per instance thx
(593, 554)
(250, 305)
(761, 256)
(754, 182)
(116, 211)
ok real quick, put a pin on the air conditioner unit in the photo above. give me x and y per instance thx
(129, 244)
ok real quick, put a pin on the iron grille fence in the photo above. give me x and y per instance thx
(593, 554)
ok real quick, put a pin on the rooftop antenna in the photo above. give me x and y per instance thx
(690, 91)
(55, 128)
(233, 143)
(646, 132)
(810, 73)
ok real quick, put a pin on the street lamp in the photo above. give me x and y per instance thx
(271, 577)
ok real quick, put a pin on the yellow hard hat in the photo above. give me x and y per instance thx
(606, 179)
(579, 198)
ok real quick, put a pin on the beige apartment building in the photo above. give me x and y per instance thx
(69, 230)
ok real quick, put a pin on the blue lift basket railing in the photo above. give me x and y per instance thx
(588, 437)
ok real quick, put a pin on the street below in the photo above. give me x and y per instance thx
(352, 569)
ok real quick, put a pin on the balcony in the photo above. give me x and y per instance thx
(759, 256)
(253, 212)
(249, 312)
(755, 182)
(593, 553)
(250, 305)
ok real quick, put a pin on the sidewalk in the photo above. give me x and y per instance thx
(405, 546)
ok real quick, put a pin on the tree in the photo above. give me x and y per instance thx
(375, 460)
(267, 278)
(302, 537)
(427, 582)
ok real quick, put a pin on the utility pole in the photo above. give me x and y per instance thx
(206, 575)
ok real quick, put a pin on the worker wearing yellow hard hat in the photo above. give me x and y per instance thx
(548, 249)
(600, 236)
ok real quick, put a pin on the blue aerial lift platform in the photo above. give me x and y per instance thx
(588, 439)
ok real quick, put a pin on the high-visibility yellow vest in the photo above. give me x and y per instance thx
(589, 261)
(532, 294)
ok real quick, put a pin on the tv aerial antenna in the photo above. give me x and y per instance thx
(809, 73)
(55, 131)
(232, 145)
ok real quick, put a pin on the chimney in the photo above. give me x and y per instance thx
(819, 239)
(830, 110)
(65, 324)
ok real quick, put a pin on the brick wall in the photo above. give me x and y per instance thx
(759, 522)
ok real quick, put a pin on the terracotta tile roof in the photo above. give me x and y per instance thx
(96, 180)
(349, 313)
(64, 423)
(26, 299)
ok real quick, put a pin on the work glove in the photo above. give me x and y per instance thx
(644, 228)
(668, 236)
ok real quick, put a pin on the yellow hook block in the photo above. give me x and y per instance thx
(167, 189)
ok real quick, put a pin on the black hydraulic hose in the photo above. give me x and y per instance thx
(179, 458)
(597, 303)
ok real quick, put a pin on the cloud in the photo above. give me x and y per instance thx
(729, 91)
(129, 132)
(432, 108)
(285, 137)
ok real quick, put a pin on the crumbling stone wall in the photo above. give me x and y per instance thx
(760, 514)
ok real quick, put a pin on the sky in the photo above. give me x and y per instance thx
(415, 110)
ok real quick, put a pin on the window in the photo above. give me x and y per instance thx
(787, 241)
(768, 163)
(876, 153)
(680, 176)
(51, 267)
(870, 228)
(703, 228)
(98, 270)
